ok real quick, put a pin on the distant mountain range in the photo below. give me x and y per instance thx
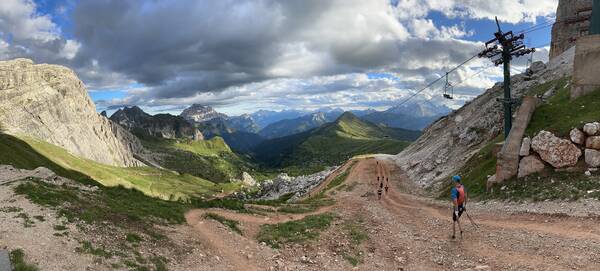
(413, 116)
(244, 132)
(298, 125)
(331, 144)
(262, 118)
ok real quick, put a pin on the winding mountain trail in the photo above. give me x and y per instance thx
(408, 232)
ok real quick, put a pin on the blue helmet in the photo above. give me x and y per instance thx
(456, 178)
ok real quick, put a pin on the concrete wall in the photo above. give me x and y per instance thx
(507, 165)
(586, 68)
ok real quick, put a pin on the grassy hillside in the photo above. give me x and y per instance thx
(211, 147)
(559, 115)
(29, 153)
(211, 159)
(208, 159)
(332, 144)
(239, 141)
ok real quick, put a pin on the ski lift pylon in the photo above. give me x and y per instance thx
(448, 89)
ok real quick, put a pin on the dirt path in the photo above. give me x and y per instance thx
(407, 232)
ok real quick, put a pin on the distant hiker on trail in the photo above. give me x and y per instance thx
(387, 184)
(380, 190)
(459, 200)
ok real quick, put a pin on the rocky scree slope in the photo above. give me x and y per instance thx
(161, 125)
(447, 144)
(49, 102)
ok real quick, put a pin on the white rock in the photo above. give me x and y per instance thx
(577, 136)
(592, 157)
(593, 142)
(247, 179)
(591, 128)
(525, 147)
(529, 165)
(556, 151)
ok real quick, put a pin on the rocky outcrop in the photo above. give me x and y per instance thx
(529, 165)
(536, 67)
(8, 173)
(565, 34)
(50, 103)
(592, 158)
(247, 180)
(556, 151)
(447, 144)
(160, 125)
(284, 185)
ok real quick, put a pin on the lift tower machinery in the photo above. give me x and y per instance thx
(501, 50)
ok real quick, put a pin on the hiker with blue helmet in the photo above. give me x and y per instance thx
(458, 194)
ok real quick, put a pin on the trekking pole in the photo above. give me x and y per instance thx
(470, 219)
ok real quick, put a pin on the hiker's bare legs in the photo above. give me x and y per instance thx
(459, 228)
(454, 230)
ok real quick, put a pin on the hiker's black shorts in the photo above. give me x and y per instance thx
(461, 209)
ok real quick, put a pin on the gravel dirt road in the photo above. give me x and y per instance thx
(408, 232)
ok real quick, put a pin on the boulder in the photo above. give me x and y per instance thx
(525, 146)
(577, 136)
(592, 158)
(593, 142)
(556, 151)
(591, 128)
(247, 179)
(529, 165)
(536, 67)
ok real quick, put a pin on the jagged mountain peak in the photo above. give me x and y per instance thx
(198, 113)
(162, 125)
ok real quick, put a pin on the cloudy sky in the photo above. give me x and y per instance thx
(240, 56)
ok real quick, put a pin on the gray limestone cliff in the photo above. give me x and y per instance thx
(572, 22)
(49, 102)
